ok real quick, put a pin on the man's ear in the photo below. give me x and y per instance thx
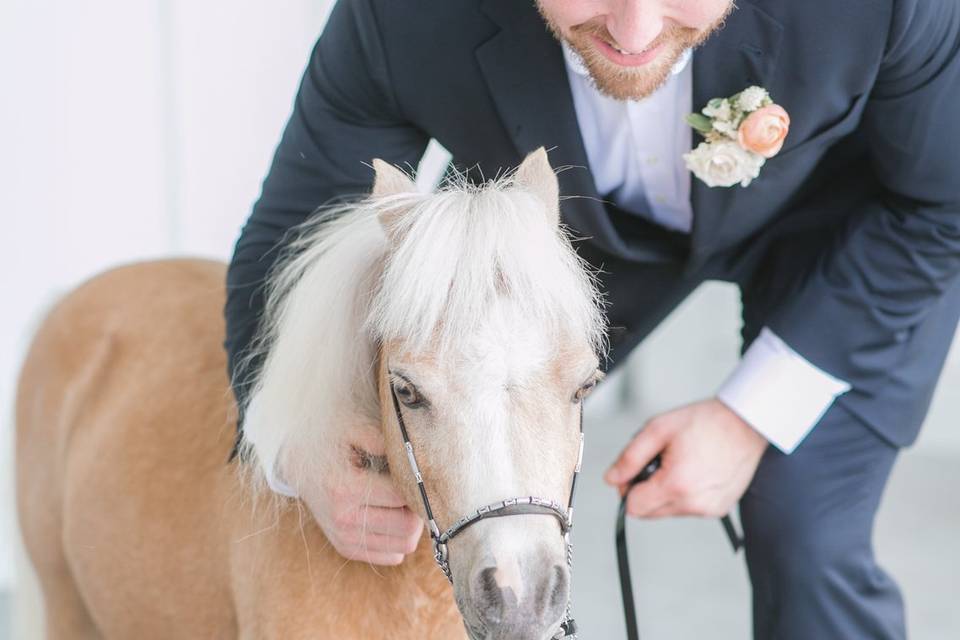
(536, 175)
(390, 181)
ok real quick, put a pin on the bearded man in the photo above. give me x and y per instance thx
(844, 237)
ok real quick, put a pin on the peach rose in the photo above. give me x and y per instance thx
(764, 130)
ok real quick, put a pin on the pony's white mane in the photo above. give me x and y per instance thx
(348, 286)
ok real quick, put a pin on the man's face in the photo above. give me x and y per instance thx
(629, 46)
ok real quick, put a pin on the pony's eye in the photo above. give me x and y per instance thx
(585, 390)
(408, 394)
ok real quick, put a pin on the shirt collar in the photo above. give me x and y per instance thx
(575, 62)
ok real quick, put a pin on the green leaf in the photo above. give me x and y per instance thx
(700, 122)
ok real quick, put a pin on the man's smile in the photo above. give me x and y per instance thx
(625, 58)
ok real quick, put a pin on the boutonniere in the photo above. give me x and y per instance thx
(741, 132)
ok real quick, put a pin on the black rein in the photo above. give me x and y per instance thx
(623, 563)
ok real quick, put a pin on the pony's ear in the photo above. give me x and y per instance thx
(390, 181)
(536, 175)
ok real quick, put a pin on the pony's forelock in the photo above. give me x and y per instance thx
(454, 254)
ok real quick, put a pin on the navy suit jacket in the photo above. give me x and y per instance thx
(869, 168)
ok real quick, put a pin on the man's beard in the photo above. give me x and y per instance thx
(631, 83)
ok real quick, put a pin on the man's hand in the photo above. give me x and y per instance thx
(709, 456)
(360, 511)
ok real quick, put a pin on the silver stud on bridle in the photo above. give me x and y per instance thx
(510, 507)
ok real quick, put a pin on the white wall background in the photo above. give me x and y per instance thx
(133, 129)
(130, 129)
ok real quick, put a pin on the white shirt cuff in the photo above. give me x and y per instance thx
(778, 392)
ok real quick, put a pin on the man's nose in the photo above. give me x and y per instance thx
(635, 24)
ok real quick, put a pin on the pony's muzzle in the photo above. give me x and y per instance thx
(520, 602)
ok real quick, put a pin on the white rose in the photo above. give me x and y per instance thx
(724, 164)
(751, 98)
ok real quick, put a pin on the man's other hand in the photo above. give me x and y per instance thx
(709, 456)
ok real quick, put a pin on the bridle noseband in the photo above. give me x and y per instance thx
(523, 505)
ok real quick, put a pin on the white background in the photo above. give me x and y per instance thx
(130, 129)
(133, 129)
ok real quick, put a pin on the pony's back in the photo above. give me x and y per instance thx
(122, 432)
(136, 524)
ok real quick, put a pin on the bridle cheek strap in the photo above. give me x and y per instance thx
(526, 505)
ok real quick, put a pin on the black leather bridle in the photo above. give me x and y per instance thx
(522, 505)
(623, 564)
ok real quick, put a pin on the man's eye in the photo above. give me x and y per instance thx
(408, 395)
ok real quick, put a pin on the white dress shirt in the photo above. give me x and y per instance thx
(635, 149)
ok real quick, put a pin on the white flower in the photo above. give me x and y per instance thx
(715, 136)
(726, 127)
(723, 164)
(719, 109)
(751, 98)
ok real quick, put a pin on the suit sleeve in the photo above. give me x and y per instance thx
(345, 114)
(879, 276)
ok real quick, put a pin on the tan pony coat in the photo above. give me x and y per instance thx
(137, 526)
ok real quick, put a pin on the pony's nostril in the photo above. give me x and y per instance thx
(489, 589)
(488, 596)
(561, 587)
(553, 593)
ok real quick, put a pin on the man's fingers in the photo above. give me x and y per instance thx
(648, 498)
(399, 523)
(354, 543)
(384, 559)
(643, 448)
(677, 508)
(664, 497)
(668, 510)
(369, 489)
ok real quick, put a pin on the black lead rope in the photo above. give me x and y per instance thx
(623, 564)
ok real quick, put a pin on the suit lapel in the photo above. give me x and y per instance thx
(524, 68)
(741, 54)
